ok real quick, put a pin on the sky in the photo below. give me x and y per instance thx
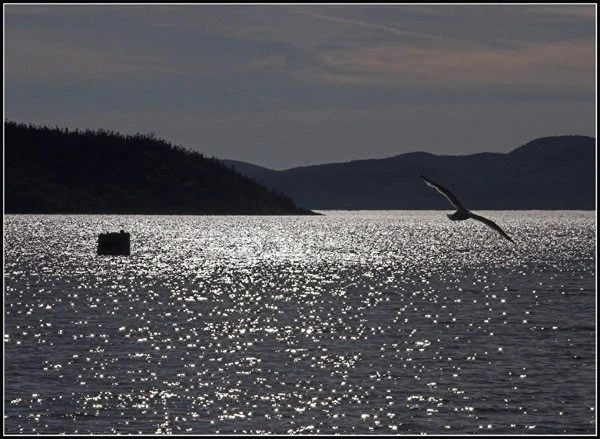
(291, 85)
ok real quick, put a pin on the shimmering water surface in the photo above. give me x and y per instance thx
(352, 322)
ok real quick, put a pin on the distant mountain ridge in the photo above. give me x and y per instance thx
(548, 173)
(53, 170)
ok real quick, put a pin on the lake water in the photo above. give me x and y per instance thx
(348, 323)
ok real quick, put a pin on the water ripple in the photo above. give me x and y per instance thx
(350, 323)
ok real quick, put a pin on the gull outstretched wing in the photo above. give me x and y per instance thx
(445, 192)
(491, 224)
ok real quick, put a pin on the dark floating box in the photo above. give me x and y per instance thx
(114, 244)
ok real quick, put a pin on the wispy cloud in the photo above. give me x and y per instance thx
(576, 11)
(563, 65)
(380, 27)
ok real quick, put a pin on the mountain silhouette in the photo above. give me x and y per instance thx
(54, 170)
(549, 173)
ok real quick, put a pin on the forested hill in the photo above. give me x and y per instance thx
(53, 170)
(557, 172)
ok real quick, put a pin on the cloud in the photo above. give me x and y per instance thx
(566, 65)
(295, 46)
(587, 12)
(380, 27)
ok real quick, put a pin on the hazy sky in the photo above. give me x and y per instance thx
(289, 85)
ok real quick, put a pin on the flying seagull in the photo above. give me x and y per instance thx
(462, 213)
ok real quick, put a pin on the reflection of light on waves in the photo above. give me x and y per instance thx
(297, 343)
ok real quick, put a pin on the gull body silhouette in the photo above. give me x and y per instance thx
(462, 213)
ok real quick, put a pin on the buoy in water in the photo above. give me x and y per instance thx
(114, 244)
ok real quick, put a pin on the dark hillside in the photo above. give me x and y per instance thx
(547, 173)
(53, 170)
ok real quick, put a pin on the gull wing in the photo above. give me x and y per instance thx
(491, 224)
(446, 193)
